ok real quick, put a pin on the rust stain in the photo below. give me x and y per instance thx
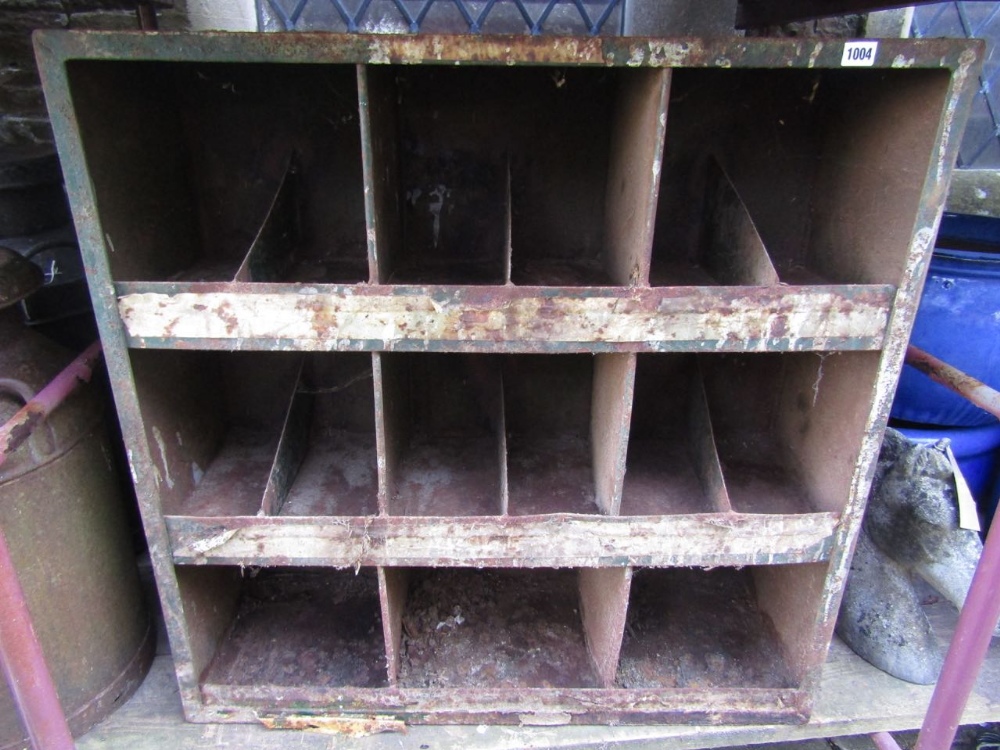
(345, 726)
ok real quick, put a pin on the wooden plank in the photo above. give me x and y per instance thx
(558, 540)
(603, 608)
(504, 319)
(634, 175)
(610, 413)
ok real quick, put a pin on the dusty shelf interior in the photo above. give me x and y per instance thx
(465, 628)
(505, 176)
(262, 433)
(294, 627)
(199, 190)
(795, 176)
(697, 629)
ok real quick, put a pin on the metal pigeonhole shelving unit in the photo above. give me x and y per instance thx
(503, 379)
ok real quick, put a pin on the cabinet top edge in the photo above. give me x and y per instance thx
(59, 46)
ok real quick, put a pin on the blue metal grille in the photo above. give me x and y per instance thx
(438, 16)
(980, 147)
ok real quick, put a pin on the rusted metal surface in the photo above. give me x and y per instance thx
(783, 430)
(526, 707)
(941, 372)
(707, 539)
(506, 319)
(20, 427)
(493, 50)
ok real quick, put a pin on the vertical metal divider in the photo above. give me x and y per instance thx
(633, 184)
(380, 166)
(702, 448)
(604, 594)
(270, 253)
(631, 196)
(291, 449)
(734, 253)
(393, 584)
(390, 430)
(610, 419)
(508, 248)
(502, 448)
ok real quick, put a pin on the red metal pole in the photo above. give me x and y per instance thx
(981, 611)
(884, 741)
(24, 665)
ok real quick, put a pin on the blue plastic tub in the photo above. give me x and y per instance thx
(977, 450)
(958, 321)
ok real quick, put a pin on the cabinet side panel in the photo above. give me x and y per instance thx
(137, 163)
(826, 401)
(791, 596)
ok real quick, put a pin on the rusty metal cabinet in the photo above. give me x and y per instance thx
(539, 381)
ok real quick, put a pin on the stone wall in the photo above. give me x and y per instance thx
(23, 117)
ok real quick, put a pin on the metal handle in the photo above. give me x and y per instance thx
(42, 443)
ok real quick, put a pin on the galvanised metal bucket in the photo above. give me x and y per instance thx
(63, 515)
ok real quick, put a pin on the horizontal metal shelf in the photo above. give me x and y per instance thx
(234, 316)
(290, 706)
(703, 539)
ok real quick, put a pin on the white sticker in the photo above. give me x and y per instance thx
(859, 54)
(968, 517)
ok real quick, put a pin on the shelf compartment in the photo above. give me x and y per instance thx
(260, 433)
(338, 475)
(486, 176)
(295, 626)
(789, 428)
(672, 466)
(827, 161)
(567, 422)
(441, 434)
(465, 628)
(213, 430)
(187, 162)
(690, 629)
